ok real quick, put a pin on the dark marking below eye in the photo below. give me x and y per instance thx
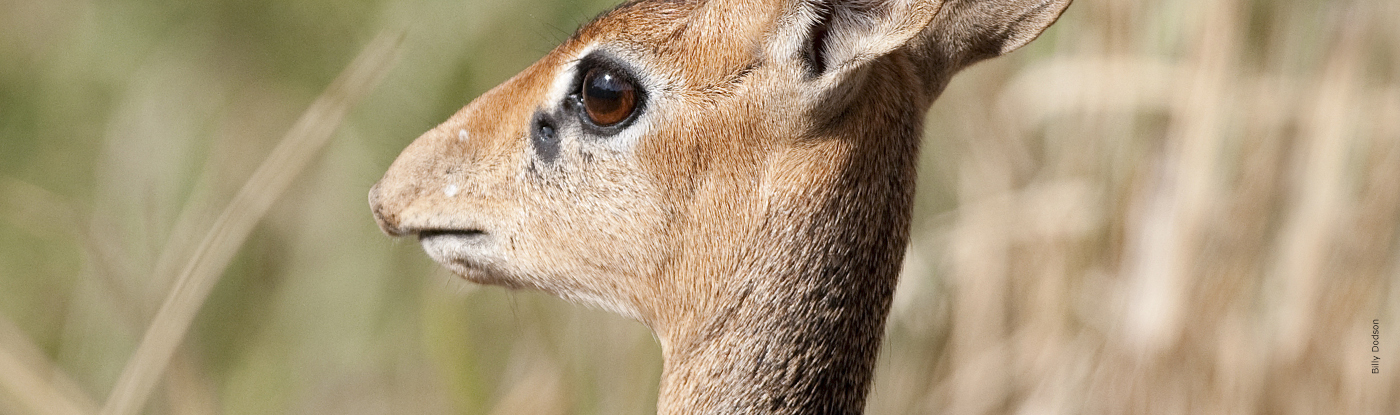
(545, 139)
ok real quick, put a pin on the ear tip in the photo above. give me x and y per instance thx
(1030, 25)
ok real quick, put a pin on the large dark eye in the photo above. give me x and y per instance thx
(608, 98)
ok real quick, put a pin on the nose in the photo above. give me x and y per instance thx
(387, 219)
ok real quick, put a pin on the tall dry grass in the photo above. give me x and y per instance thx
(1173, 207)
(1183, 207)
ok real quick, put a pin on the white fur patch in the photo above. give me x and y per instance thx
(462, 135)
(451, 190)
(564, 79)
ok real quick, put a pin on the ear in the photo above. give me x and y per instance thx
(837, 36)
(967, 31)
(940, 36)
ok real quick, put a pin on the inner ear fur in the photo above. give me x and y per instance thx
(845, 34)
(940, 36)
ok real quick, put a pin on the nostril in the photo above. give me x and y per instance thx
(388, 224)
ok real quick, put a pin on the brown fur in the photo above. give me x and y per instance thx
(759, 218)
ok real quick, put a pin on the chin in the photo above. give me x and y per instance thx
(471, 256)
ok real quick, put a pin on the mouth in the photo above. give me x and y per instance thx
(470, 253)
(465, 235)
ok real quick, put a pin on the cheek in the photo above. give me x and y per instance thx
(605, 227)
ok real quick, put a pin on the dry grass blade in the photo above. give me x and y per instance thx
(293, 153)
(26, 376)
(22, 377)
(32, 391)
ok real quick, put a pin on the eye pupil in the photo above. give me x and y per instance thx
(608, 99)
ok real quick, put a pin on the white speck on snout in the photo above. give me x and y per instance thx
(462, 135)
(451, 190)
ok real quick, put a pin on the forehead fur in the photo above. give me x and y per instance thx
(707, 42)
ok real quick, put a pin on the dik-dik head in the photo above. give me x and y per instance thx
(669, 148)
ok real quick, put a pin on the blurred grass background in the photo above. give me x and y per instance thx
(1179, 207)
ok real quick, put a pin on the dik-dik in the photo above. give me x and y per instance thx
(735, 174)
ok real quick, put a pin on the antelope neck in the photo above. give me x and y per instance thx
(800, 330)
